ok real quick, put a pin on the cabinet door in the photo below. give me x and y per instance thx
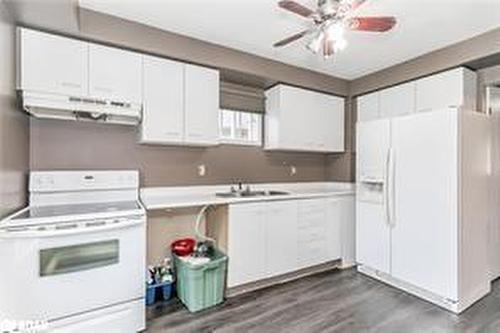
(425, 233)
(52, 64)
(201, 98)
(398, 100)
(347, 230)
(372, 144)
(294, 112)
(281, 228)
(163, 104)
(312, 231)
(115, 74)
(332, 123)
(334, 217)
(453, 88)
(368, 107)
(246, 244)
(373, 236)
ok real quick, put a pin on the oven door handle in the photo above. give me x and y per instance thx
(79, 230)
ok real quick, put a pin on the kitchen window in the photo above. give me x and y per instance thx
(240, 127)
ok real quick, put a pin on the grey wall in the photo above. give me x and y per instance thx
(13, 125)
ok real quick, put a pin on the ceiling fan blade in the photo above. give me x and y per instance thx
(295, 7)
(376, 24)
(354, 4)
(290, 39)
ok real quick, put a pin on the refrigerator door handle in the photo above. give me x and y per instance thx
(391, 189)
(385, 188)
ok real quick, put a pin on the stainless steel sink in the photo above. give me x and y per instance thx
(247, 194)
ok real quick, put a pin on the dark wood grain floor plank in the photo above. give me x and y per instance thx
(335, 301)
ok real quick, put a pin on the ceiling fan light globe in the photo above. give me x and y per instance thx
(335, 31)
(340, 44)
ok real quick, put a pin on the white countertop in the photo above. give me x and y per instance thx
(192, 196)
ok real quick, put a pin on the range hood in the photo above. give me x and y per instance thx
(54, 106)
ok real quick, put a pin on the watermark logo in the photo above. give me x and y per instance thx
(23, 326)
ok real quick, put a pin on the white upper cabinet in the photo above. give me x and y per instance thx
(333, 123)
(51, 64)
(201, 98)
(115, 74)
(398, 100)
(303, 120)
(368, 106)
(453, 88)
(163, 101)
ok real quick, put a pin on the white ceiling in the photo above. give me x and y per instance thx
(254, 25)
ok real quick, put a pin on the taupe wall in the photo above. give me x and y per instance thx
(13, 125)
(70, 145)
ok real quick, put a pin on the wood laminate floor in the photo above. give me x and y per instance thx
(335, 301)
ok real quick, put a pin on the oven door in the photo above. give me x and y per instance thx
(56, 274)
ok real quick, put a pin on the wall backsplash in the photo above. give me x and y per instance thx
(65, 145)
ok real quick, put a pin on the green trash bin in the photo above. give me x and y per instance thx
(201, 286)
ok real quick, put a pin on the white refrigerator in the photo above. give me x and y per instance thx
(422, 204)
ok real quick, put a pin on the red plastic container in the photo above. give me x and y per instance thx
(183, 247)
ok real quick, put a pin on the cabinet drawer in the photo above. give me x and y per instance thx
(312, 253)
(313, 205)
(312, 219)
(317, 232)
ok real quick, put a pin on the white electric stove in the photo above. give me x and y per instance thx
(75, 258)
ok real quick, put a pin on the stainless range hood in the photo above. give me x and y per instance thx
(54, 106)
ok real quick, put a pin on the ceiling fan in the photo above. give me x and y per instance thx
(331, 19)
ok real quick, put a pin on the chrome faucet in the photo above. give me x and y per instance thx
(238, 187)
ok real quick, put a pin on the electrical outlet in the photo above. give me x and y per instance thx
(202, 170)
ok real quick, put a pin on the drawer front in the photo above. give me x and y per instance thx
(311, 206)
(312, 233)
(312, 253)
(312, 219)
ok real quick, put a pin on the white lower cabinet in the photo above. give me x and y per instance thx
(246, 244)
(281, 237)
(268, 239)
(312, 240)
